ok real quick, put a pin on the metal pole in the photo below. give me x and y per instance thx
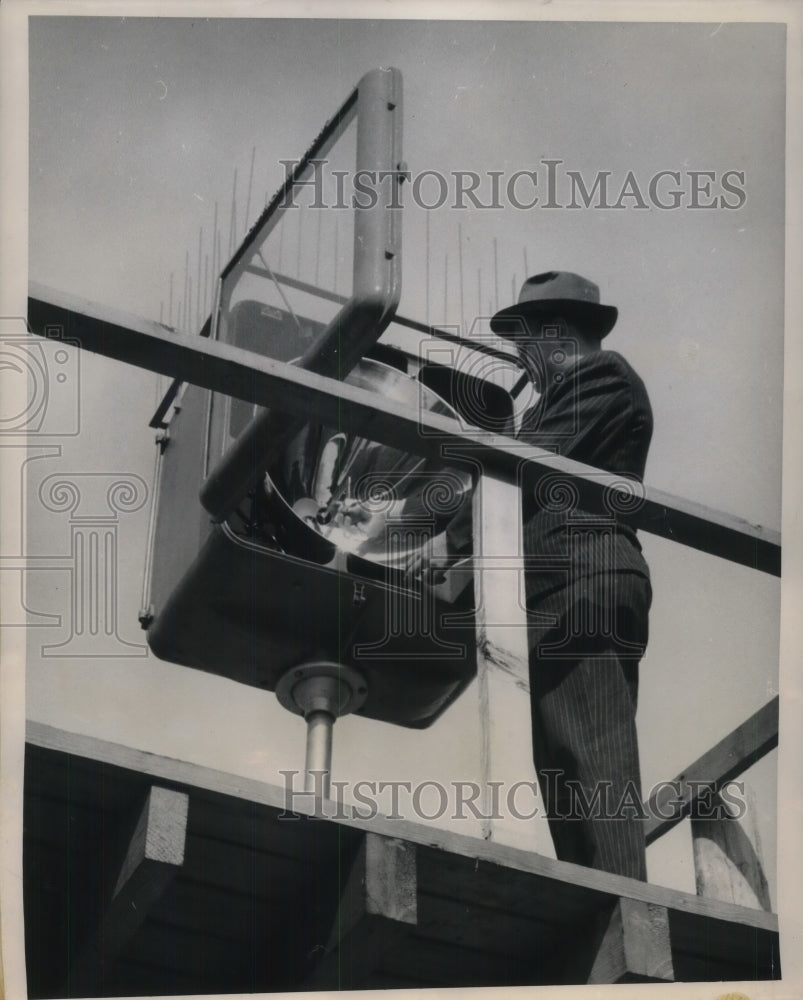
(321, 691)
(319, 752)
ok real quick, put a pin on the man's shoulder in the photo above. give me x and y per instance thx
(610, 364)
(605, 359)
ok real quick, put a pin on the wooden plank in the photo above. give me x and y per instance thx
(713, 948)
(733, 755)
(215, 815)
(502, 654)
(631, 944)
(474, 882)
(441, 963)
(377, 910)
(505, 934)
(239, 823)
(269, 854)
(204, 909)
(389, 878)
(586, 886)
(289, 389)
(251, 873)
(493, 887)
(154, 855)
(209, 963)
(151, 765)
(157, 846)
(727, 854)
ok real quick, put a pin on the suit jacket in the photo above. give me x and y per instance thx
(598, 414)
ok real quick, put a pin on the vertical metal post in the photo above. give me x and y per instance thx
(321, 691)
(319, 751)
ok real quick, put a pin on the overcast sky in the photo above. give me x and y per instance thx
(136, 129)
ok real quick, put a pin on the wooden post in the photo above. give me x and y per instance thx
(631, 944)
(727, 852)
(155, 853)
(377, 909)
(508, 774)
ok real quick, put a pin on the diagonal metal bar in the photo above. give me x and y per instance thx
(480, 346)
(291, 390)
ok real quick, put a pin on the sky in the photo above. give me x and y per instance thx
(136, 129)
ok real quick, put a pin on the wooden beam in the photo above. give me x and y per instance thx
(155, 853)
(727, 854)
(523, 898)
(289, 389)
(631, 944)
(748, 743)
(377, 910)
(502, 656)
(468, 854)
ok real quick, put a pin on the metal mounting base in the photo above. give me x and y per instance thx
(321, 691)
(322, 685)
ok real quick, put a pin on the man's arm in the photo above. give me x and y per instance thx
(591, 416)
(588, 417)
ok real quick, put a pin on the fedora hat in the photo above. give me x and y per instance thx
(552, 294)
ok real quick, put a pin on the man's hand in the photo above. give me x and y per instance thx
(348, 513)
(431, 557)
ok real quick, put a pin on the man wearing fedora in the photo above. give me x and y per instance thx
(586, 582)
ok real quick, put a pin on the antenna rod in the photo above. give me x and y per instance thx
(445, 289)
(233, 219)
(426, 273)
(216, 268)
(496, 276)
(198, 289)
(186, 312)
(460, 276)
(250, 185)
(207, 306)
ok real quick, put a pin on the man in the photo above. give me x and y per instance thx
(586, 581)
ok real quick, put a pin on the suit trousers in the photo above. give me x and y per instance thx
(585, 645)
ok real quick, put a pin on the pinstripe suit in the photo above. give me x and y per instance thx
(588, 596)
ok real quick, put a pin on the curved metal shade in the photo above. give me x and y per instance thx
(334, 491)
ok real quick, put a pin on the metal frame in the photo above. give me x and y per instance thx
(362, 319)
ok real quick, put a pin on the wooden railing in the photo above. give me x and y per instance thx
(501, 460)
(237, 372)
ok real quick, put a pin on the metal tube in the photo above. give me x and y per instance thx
(319, 752)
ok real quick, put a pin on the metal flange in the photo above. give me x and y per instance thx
(322, 686)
